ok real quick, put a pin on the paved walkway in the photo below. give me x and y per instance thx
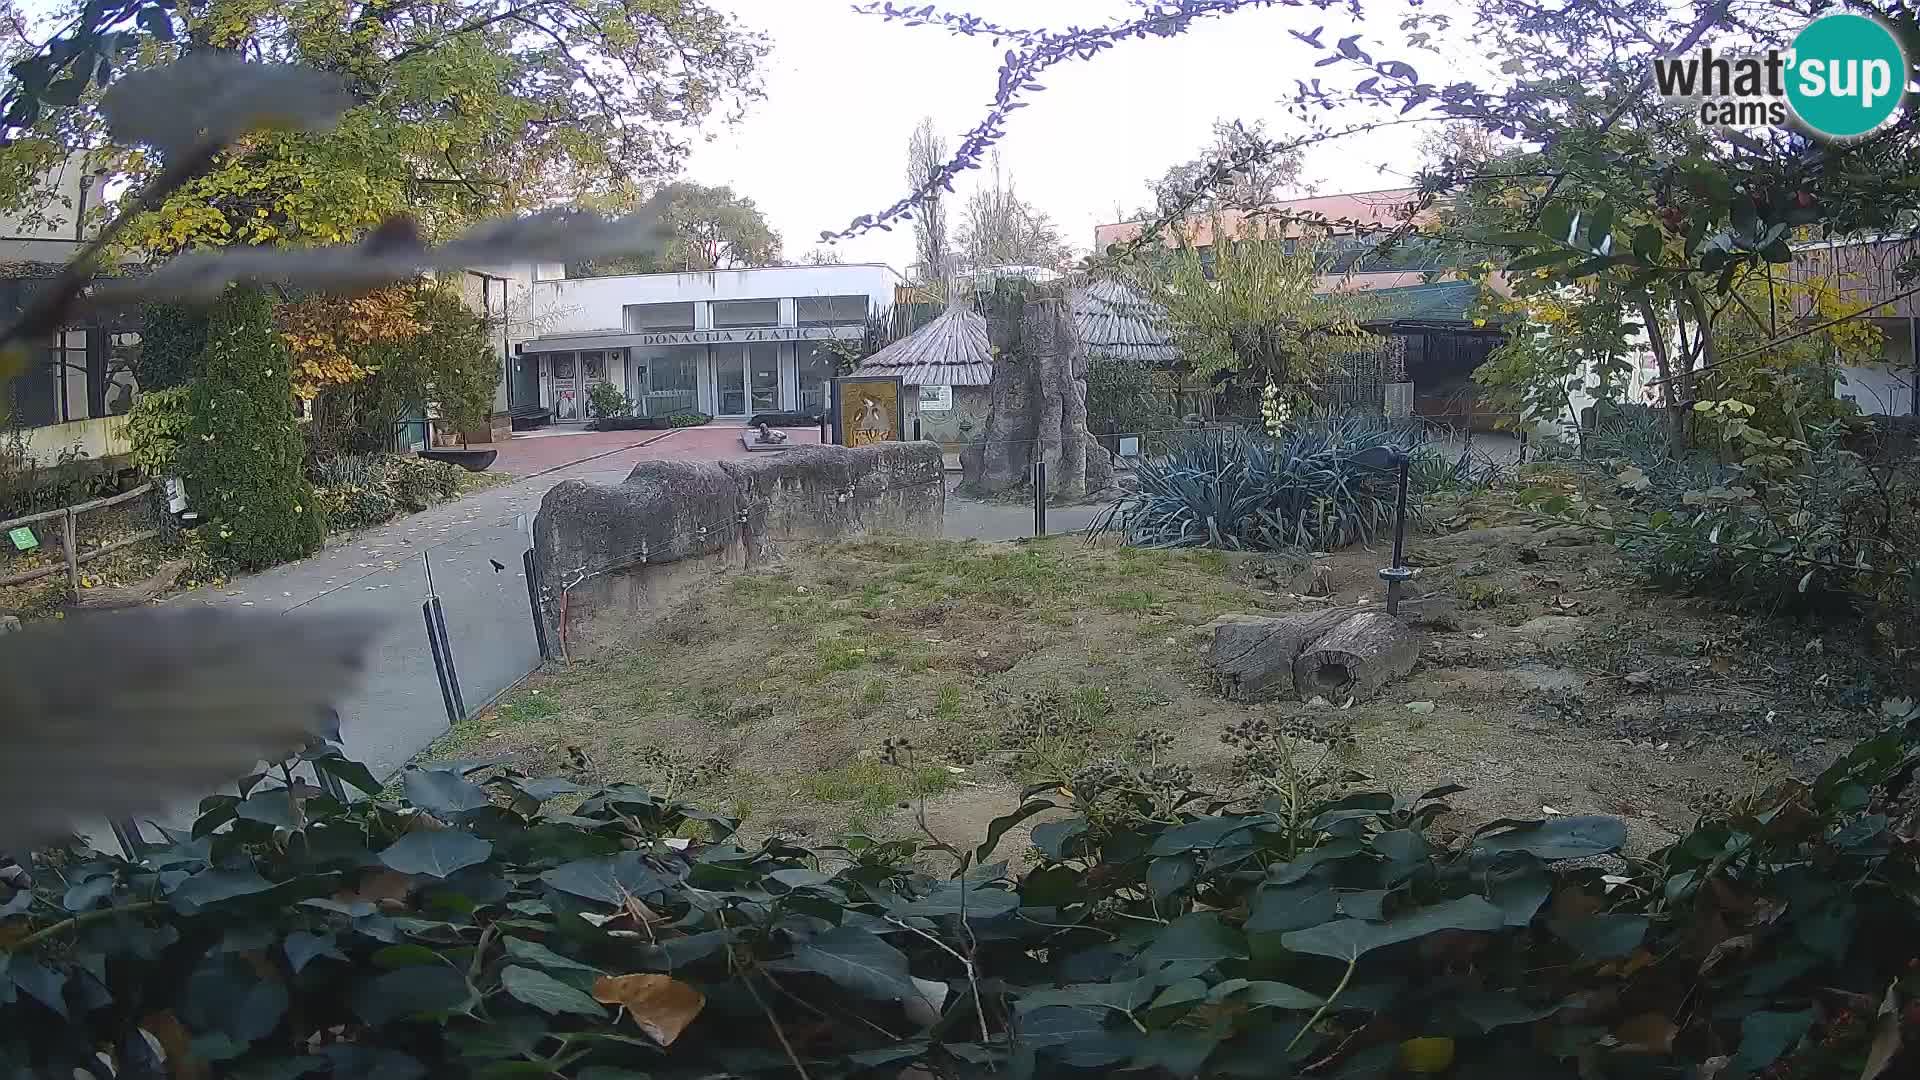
(474, 547)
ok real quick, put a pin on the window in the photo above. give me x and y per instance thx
(763, 377)
(817, 368)
(650, 318)
(667, 381)
(829, 310)
(731, 313)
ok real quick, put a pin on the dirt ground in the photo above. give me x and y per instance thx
(1555, 686)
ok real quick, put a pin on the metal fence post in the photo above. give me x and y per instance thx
(1039, 497)
(442, 647)
(533, 598)
(439, 662)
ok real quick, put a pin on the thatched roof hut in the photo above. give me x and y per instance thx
(951, 350)
(1117, 323)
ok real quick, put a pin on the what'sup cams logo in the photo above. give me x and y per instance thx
(1844, 77)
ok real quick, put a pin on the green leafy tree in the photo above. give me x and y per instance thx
(1255, 312)
(243, 456)
(711, 229)
(463, 109)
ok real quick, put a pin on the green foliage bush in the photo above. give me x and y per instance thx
(154, 428)
(608, 402)
(361, 491)
(1233, 489)
(418, 483)
(172, 338)
(487, 929)
(649, 423)
(1126, 397)
(243, 456)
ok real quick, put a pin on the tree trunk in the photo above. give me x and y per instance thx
(1356, 657)
(1676, 423)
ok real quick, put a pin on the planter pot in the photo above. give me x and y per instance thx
(467, 458)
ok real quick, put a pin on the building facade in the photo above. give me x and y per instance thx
(1869, 271)
(732, 344)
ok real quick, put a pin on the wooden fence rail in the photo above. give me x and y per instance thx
(72, 557)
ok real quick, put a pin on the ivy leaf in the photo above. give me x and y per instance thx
(532, 952)
(443, 792)
(413, 991)
(303, 948)
(1169, 874)
(1281, 908)
(436, 854)
(1270, 995)
(1000, 825)
(1199, 936)
(973, 899)
(349, 771)
(548, 994)
(1344, 939)
(1052, 837)
(1558, 838)
(856, 960)
(213, 886)
(1520, 893)
(609, 880)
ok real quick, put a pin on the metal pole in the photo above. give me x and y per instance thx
(916, 427)
(1397, 573)
(533, 598)
(439, 662)
(446, 650)
(1039, 497)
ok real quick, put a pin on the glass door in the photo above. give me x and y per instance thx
(566, 388)
(763, 368)
(730, 380)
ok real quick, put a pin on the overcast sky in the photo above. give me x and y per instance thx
(844, 92)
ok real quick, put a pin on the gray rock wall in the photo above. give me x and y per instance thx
(610, 555)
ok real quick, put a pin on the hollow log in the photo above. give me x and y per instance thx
(1355, 658)
(107, 599)
(1253, 655)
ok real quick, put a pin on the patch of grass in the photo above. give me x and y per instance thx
(948, 703)
(529, 708)
(1485, 594)
(874, 692)
(874, 787)
(1132, 601)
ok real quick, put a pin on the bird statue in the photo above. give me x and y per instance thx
(119, 714)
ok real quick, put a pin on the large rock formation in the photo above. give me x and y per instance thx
(1037, 410)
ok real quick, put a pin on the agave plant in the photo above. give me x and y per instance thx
(1305, 489)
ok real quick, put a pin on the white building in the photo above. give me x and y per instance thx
(728, 343)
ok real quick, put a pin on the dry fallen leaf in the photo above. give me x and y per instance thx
(1731, 947)
(1639, 678)
(1647, 1033)
(661, 1005)
(1886, 1036)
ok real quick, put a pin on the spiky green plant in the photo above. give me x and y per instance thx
(1307, 489)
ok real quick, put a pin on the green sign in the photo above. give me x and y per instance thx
(23, 539)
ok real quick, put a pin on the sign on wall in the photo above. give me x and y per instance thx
(867, 410)
(936, 399)
(769, 333)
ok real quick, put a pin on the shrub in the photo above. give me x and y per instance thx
(417, 483)
(486, 929)
(648, 423)
(172, 338)
(243, 455)
(607, 402)
(1127, 397)
(356, 507)
(1231, 489)
(154, 427)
